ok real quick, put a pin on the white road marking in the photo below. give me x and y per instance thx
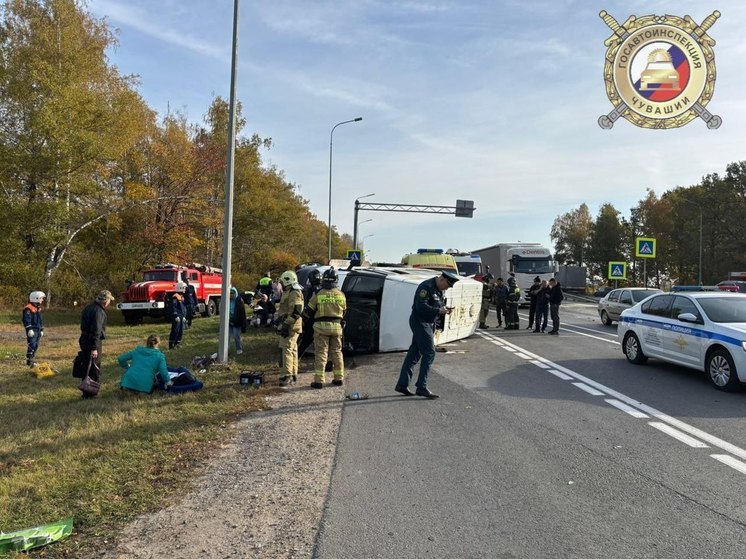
(570, 329)
(588, 389)
(522, 355)
(659, 415)
(563, 376)
(730, 461)
(676, 434)
(625, 408)
(540, 364)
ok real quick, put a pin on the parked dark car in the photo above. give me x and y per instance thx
(603, 291)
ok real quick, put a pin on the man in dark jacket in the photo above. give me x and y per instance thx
(555, 300)
(178, 317)
(427, 307)
(190, 302)
(533, 300)
(237, 319)
(501, 301)
(93, 333)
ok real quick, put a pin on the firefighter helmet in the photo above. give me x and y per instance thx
(288, 278)
(36, 297)
(181, 287)
(329, 279)
(314, 277)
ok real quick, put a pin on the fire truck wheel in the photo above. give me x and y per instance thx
(211, 308)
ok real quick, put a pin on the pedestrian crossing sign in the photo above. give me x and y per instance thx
(645, 247)
(355, 256)
(618, 270)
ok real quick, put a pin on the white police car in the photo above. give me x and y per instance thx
(701, 330)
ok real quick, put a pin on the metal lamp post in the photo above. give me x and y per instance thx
(331, 140)
(357, 209)
(228, 214)
(354, 242)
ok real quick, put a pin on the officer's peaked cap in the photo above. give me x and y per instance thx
(451, 278)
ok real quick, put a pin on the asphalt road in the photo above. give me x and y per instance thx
(540, 446)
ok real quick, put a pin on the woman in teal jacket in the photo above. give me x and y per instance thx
(143, 365)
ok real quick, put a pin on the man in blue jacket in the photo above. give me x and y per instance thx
(428, 306)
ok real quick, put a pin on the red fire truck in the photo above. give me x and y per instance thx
(152, 296)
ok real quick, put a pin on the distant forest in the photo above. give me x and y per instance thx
(713, 210)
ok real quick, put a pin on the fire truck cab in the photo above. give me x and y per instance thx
(152, 296)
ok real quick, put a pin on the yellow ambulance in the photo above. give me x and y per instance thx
(431, 258)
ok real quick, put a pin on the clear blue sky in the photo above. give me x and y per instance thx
(494, 101)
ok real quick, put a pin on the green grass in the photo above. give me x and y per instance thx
(106, 460)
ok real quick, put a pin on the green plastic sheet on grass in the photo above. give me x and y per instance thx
(31, 538)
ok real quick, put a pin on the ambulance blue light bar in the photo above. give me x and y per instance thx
(429, 251)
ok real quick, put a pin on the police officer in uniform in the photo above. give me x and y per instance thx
(33, 324)
(533, 299)
(428, 306)
(514, 295)
(290, 325)
(327, 310)
(501, 302)
(313, 287)
(486, 298)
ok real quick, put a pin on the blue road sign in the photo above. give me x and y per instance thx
(617, 270)
(645, 247)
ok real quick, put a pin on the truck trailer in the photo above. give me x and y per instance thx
(525, 260)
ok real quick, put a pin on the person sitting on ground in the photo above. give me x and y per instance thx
(143, 367)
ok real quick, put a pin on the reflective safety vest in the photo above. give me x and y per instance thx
(329, 305)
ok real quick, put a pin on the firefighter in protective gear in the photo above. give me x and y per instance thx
(178, 316)
(327, 309)
(514, 295)
(486, 298)
(290, 325)
(33, 324)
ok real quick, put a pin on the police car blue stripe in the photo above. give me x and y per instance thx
(696, 332)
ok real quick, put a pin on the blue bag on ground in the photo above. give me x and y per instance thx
(183, 380)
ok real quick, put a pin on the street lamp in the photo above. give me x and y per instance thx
(224, 329)
(357, 209)
(699, 207)
(355, 239)
(331, 139)
(362, 243)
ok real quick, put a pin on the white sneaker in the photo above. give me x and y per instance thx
(239, 352)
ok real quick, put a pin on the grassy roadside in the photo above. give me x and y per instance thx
(106, 460)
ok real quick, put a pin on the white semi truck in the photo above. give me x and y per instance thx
(525, 260)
